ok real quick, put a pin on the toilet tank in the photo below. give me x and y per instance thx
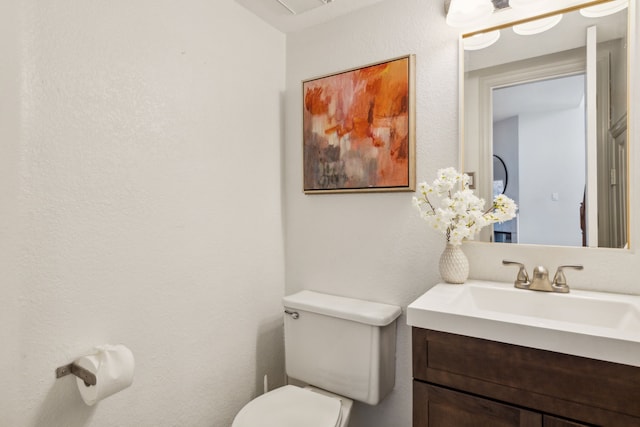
(343, 345)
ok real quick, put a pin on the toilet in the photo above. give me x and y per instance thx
(343, 349)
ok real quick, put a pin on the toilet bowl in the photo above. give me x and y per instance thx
(292, 406)
(344, 348)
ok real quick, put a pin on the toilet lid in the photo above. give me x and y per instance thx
(290, 406)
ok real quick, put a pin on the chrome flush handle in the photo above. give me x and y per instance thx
(294, 314)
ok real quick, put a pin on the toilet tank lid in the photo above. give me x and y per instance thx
(368, 312)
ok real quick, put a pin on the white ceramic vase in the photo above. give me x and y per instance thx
(454, 265)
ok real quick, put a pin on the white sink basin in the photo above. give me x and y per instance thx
(597, 325)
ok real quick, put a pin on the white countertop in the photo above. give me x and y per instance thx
(596, 325)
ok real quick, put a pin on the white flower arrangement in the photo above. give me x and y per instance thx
(459, 214)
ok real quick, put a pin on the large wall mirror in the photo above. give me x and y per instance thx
(551, 105)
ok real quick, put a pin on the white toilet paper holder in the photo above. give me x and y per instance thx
(88, 377)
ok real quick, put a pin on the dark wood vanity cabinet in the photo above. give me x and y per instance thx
(470, 382)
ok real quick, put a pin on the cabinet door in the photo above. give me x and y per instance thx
(550, 421)
(440, 407)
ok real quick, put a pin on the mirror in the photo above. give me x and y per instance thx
(545, 119)
(500, 176)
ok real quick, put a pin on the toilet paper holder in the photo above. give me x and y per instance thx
(88, 377)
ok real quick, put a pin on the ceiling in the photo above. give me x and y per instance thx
(295, 15)
(542, 96)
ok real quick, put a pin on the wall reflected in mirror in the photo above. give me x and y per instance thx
(551, 107)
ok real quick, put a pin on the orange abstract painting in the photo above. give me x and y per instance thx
(359, 129)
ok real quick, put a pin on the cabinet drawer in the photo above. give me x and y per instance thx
(439, 407)
(542, 380)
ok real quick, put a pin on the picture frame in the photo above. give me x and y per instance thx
(359, 129)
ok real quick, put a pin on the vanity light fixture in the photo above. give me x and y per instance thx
(481, 40)
(604, 9)
(537, 26)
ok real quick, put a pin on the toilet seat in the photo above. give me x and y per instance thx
(290, 406)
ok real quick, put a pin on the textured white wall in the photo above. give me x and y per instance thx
(373, 246)
(123, 218)
(9, 234)
(148, 171)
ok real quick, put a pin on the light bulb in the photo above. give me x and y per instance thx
(464, 13)
(537, 26)
(480, 41)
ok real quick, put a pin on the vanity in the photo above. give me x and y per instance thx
(488, 354)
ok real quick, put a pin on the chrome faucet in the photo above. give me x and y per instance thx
(540, 280)
(560, 281)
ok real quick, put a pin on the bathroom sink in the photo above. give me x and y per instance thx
(597, 325)
(579, 308)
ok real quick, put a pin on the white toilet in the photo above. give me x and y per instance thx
(343, 348)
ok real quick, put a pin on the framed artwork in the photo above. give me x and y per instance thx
(359, 129)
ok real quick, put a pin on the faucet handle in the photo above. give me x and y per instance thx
(522, 280)
(560, 280)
